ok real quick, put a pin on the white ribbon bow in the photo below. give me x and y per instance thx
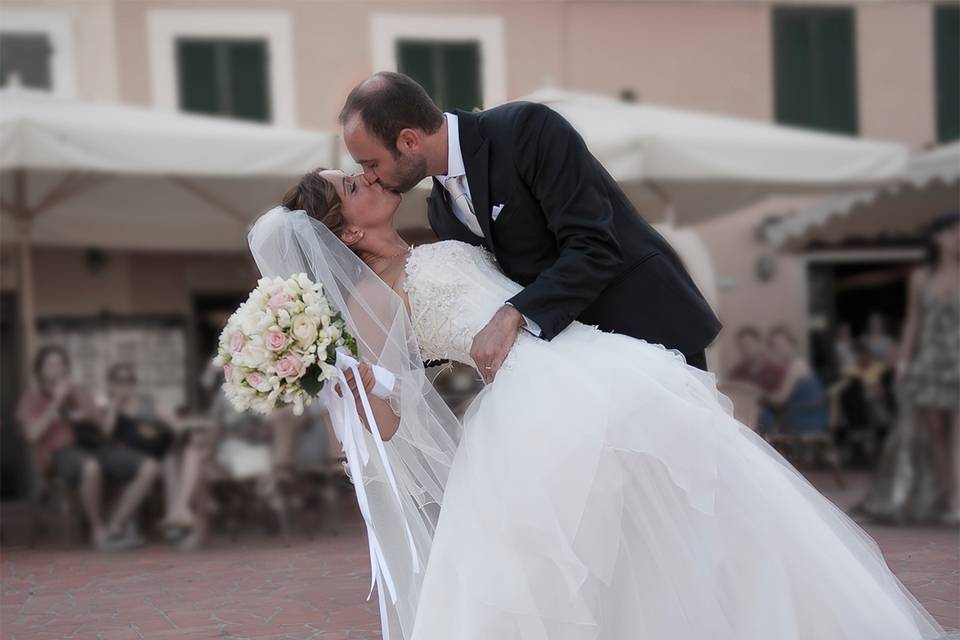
(350, 431)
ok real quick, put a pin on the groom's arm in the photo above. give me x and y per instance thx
(554, 162)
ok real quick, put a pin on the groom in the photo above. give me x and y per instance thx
(519, 180)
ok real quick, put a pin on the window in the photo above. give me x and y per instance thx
(815, 68)
(947, 43)
(36, 50)
(449, 71)
(26, 57)
(460, 60)
(226, 62)
(226, 77)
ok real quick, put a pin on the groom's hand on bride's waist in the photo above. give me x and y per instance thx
(493, 343)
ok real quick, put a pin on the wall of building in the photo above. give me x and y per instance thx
(129, 283)
(713, 56)
(90, 54)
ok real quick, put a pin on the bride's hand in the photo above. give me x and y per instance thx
(387, 420)
(492, 345)
(366, 378)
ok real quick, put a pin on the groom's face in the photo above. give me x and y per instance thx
(398, 169)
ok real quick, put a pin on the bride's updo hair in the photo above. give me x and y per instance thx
(319, 199)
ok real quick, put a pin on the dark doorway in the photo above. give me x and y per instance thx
(850, 292)
(210, 313)
(14, 471)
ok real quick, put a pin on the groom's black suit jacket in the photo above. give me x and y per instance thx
(568, 233)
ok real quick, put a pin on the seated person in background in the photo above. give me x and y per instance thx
(132, 419)
(871, 371)
(755, 367)
(223, 439)
(799, 404)
(184, 466)
(59, 422)
(864, 401)
(757, 371)
(882, 346)
(843, 349)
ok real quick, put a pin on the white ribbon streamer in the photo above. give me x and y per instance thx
(349, 429)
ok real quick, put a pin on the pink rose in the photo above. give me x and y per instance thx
(254, 379)
(237, 340)
(277, 301)
(290, 367)
(228, 372)
(276, 341)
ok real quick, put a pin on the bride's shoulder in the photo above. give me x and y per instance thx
(450, 248)
(445, 258)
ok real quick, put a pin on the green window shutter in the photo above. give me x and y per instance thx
(448, 71)
(947, 43)
(224, 77)
(249, 80)
(416, 60)
(462, 68)
(197, 66)
(815, 68)
(26, 55)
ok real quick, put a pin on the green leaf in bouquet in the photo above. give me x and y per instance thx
(351, 344)
(311, 381)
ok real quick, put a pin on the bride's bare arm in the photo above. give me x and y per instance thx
(387, 420)
(369, 347)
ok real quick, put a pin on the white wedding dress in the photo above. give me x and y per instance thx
(602, 491)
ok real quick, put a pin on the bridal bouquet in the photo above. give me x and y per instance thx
(280, 346)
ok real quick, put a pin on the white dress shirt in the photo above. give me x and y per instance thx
(464, 211)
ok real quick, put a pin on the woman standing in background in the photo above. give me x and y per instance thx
(929, 366)
(919, 473)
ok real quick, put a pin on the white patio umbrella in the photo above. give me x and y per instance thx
(97, 175)
(685, 166)
(929, 186)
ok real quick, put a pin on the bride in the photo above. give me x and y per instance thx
(598, 489)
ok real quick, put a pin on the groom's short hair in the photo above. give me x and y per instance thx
(389, 102)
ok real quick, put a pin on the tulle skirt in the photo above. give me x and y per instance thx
(603, 491)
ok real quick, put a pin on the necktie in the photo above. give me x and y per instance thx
(462, 204)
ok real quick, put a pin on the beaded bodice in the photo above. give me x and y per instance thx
(454, 289)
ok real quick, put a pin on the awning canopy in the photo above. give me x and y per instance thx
(115, 176)
(705, 165)
(38, 131)
(96, 175)
(929, 186)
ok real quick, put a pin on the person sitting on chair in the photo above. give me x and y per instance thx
(57, 419)
(799, 404)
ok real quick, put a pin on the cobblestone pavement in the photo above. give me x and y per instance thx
(256, 588)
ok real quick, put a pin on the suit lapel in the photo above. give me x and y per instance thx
(476, 158)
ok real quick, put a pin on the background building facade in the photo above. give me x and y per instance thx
(880, 69)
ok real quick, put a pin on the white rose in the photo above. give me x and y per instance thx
(304, 329)
(264, 322)
(283, 318)
(303, 281)
(254, 355)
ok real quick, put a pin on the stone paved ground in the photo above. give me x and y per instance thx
(256, 588)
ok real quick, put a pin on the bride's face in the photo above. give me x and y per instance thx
(364, 205)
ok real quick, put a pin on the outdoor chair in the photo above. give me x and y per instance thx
(806, 448)
(52, 501)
